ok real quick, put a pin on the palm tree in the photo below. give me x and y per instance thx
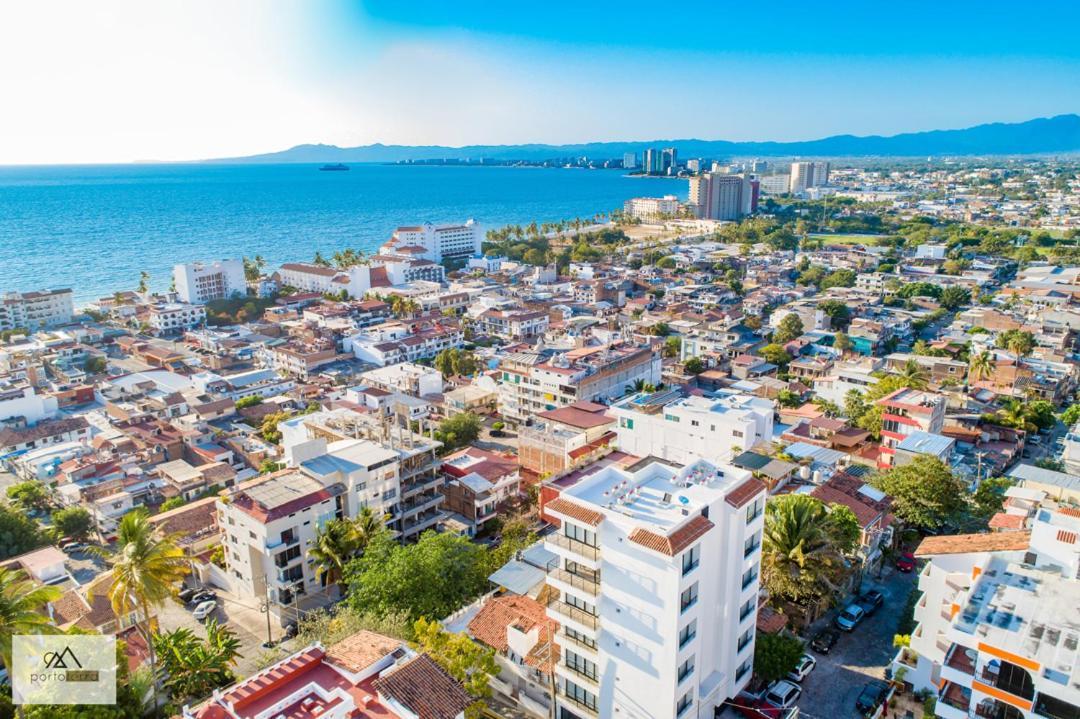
(1014, 413)
(21, 605)
(367, 525)
(913, 375)
(146, 567)
(336, 542)
(980, 366)
(799, 555)
(195, 667)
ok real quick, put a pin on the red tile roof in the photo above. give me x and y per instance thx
(490, 623)
(574, 511)
(425, 688)
(965, 543)
(677, 541)
(741, 495)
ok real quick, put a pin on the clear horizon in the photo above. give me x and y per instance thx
(185, 81)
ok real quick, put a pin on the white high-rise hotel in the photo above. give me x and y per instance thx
(437, 243)
(657, 589)
(198, 282)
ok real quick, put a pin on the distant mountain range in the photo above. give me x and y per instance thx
(1058, 134)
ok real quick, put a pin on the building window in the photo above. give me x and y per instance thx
(688, 597)
(579, 637)
(746, 638)
(744, 669)
(753, 511)
(687, 633)
(736, 433)
(685, 669)
(747, 608)
(748, 577)
(691, 559)
(579, 695)
(750, 545)
(579, 664)
(581, 534)
(684, 703)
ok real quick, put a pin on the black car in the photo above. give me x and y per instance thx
(870, 601)
(203, 595)
(824, 641)
(291, 630)
(186, 595)
(873, 697)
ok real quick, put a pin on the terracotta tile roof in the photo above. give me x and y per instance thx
(574, 511)
(425, 689)
(1066, 536)
(741, 495)
(679, 540)
(1001, 520)
(964, 543)
(576, 416)
(359, 651)
(863, 512)
(490, 623)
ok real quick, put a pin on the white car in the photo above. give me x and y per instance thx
(783, 694)
(805, 666)
(205, 609)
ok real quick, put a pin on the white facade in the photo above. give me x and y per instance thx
(681, 429)
(198, 282)
(629, 160)
(997, 625)
(34, 310)
(651, 208)
(406, 377)
(657, 582)
(390, 343)
(441, 242)
(25, 402)
(719, 196)
(805, 175)
(175, 317)
(775, 184)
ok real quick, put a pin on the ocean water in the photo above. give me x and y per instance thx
(95, 228)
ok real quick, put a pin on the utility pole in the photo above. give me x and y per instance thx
(266, 608)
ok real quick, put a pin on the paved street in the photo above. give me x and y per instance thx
(832, 688)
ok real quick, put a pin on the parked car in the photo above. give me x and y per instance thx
(1035, 440)
(203, 595)
(73, 547)
(783, 693)
(870, 601)
(186, 595)
(805, 666)
(824, 641)
(906, 562)
(205, 609)
(756, 708)
(873, 698)
(850, 617)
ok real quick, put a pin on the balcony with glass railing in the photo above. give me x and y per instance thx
(574, 546)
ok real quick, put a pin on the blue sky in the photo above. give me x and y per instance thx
(187, 79)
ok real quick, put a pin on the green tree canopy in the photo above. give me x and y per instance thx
(458, 431)
(18, 533)
(432, 578)
(775, 655)
(925, 492)
(791, 327)
(29, 495)
(465, 660)
(694, 365)
(776, 354)
(802, 549)
(74, 522)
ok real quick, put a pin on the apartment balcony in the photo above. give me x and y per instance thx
(419, 504)
(571, 616)
(281, 561)
(953, 701)
(421, 522)
(573, 549)
(578, 675)
(280, 543)
(565, 640)
(576, 705)
(959, 666)
(574, 583)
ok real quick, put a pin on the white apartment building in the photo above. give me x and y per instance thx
(805, 175)
(648, 209)
(998, 624)
(680, 429)
(847, 376)
(408, 378)
(657, 582)
(34, 310)
(26, 403)
(198, 282)
(387, 467)
(439, 242)
(629, 160)
(392, 342)
(533, 382)
(174, 317)
(775, 184)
